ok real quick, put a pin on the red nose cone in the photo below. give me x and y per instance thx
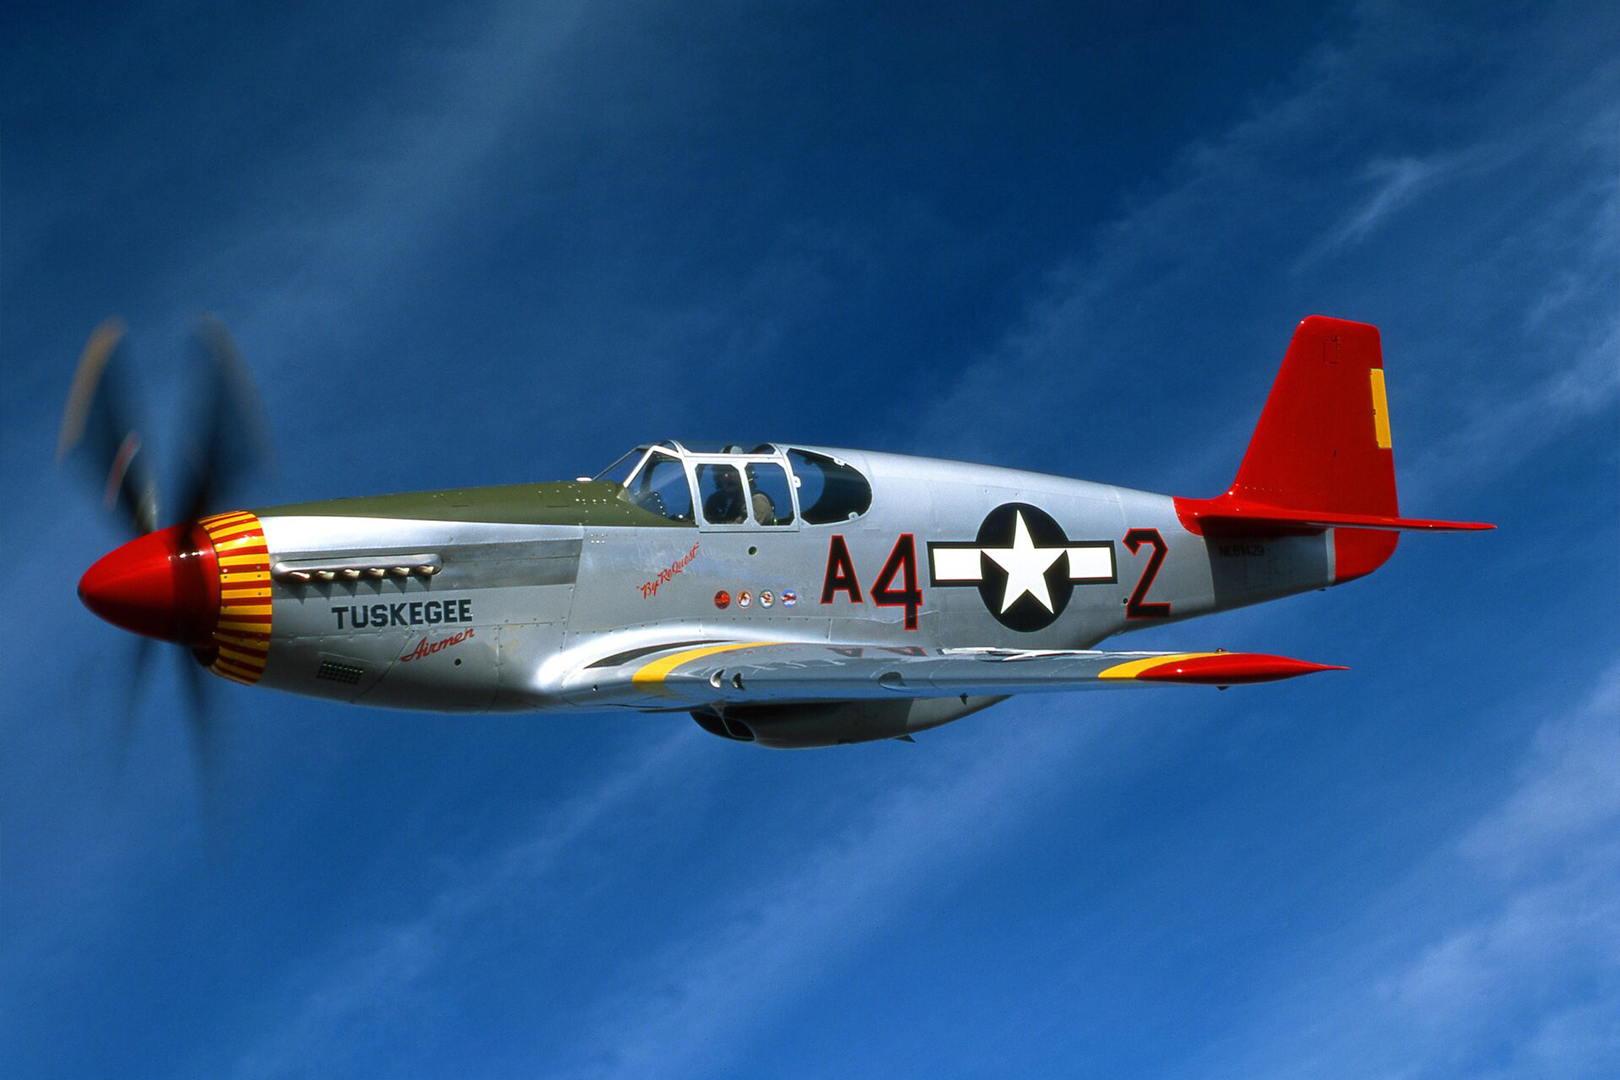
(164, 585)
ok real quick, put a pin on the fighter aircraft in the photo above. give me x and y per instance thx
(784, 595)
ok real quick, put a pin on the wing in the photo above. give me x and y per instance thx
(700, 673)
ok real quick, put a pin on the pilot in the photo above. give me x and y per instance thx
(725, 505)
(764, 508)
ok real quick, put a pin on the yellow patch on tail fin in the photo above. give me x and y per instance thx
(1380, 406)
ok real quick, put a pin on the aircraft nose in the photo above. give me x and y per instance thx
(164, 585)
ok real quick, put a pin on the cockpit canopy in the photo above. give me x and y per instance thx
(719, 485)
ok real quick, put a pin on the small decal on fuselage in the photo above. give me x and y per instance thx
(402, 613)
(650, 588)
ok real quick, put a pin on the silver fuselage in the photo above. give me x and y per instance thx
(518, 612)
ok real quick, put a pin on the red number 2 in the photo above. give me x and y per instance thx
(1139, 608)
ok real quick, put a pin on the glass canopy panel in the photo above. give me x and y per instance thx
(619, 472)
(662, 488)
(829, 490)
(721, 489)
(770, 500)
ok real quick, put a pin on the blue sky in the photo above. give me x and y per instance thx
(484, 243)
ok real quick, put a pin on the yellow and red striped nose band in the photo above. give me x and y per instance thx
(241, 639)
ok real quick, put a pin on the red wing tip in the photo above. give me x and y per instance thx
(1231, 669)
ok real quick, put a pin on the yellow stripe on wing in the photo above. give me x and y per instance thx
(1131, 668)
(657, 671)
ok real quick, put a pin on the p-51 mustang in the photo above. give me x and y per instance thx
(785, 595)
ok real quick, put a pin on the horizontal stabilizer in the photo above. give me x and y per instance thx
(1228, 513)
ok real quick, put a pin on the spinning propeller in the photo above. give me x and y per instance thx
(163, 584)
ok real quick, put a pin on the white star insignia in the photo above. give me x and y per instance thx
(1026, 567)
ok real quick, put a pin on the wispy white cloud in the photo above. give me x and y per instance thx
(1566, 369)
(1396, 183)
(1569, 788)
(1537, 868)
(313, 236)
(1515, 970)
(361, 207)
(1238, 220)
(689, 1009)
(383, 966)
(695, 1002)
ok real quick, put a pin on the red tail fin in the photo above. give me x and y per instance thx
(1323, 440)
(1320, 456)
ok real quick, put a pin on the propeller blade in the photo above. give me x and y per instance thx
(231, 436)
(139, 658)
(100, 417)
(201, 734)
